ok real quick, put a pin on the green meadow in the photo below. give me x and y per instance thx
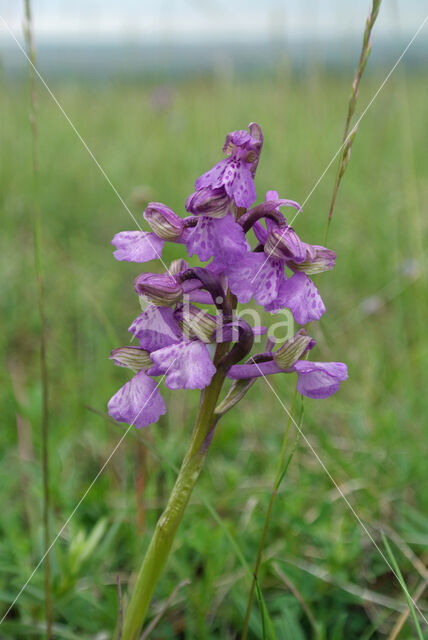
(322, 576)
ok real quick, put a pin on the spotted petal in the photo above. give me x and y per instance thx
(213, 176)
(301, 296)
(239, 184)
(222, 238)
(256, 275)
(186, 365)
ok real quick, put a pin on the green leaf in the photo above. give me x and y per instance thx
(235, 394)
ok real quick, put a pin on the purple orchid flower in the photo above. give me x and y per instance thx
(163, 350)
(317, 380)
(205, 236)
(261, 274)
(143, 246)
(314, 379)
(185, 362)
(236, 173)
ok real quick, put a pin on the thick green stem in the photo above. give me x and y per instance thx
(168, 523)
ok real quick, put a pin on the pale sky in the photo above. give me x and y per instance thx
(190, 20)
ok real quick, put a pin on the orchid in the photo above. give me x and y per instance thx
(250, 253)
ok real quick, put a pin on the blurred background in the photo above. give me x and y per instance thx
(153, 88)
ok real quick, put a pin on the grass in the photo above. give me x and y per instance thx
(370, 435)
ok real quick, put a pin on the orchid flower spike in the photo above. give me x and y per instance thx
(251, 253)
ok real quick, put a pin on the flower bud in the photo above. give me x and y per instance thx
(165, 223)
(212, 203)
(317, 260)
(293, 349)
(134, 358)
(284, 243)
(160, 289)
(197, 323)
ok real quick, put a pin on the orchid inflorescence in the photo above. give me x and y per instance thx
(177, 339)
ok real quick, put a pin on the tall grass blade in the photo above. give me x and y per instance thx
(349, 136)
(280, 473)
(403, 586)
(267, 626)
(28, 33)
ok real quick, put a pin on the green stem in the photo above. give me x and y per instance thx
(37, 232)
(167, 525)
(276, 483)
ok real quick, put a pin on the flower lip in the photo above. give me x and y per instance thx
(319, 380)
(186, 365)
(138, 402)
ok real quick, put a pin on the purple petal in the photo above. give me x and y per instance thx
(194, 293)
(271, 195)
(301, 296)
(202, 241)
(212, 176)
(137, 246)
(222, 238)
(239, 184)
(260, 231)
(199, 295)
(186, 365)
(256, 275)
(259, 330)
(138, 402)
(156, 328)
(231, 244)
(244, 371)
(319, 379)
(239, 138)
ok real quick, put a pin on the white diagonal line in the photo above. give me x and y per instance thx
(82, 498)
(403, 53)
(337, 487)
(88, 149)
